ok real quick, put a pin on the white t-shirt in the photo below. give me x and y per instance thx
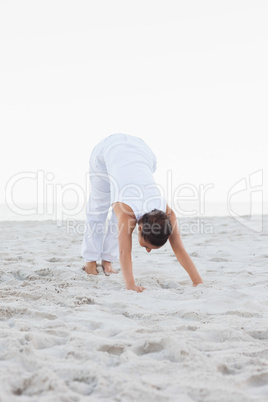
(130, 164)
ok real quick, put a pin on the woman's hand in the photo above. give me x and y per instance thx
(138, 289)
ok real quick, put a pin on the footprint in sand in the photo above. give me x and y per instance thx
(83, 385)
(112, 349)
(260, 335)
(258, 380)
(83, 300)
(263, 256)
(194, 254)
(244, 314)
(43, 272)
(225, 370)
(149, 347)
(10, 259)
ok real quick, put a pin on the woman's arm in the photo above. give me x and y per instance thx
(126, 225)
(180, 252)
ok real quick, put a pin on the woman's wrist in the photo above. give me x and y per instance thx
(130, 282)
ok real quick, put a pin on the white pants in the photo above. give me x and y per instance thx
(100, 238)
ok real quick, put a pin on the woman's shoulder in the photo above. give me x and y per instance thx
(122, 209)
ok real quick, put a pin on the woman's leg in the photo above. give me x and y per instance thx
(110, 250)
(97, 209)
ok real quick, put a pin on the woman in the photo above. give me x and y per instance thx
(121, 176)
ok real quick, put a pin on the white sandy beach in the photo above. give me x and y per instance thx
(66, 336)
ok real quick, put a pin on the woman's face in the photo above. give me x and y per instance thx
(148, 247)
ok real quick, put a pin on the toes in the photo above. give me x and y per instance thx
(109, 272)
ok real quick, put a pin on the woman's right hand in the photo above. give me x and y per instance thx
(138, 289)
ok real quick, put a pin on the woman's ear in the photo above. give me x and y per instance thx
(139, 227)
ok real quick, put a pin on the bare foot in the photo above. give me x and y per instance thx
(91, 268)
(107, 268)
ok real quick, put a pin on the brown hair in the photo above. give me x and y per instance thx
(156, 227)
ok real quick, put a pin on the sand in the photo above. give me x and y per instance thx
(67, 336)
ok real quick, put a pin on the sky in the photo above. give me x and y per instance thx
(189, 77)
